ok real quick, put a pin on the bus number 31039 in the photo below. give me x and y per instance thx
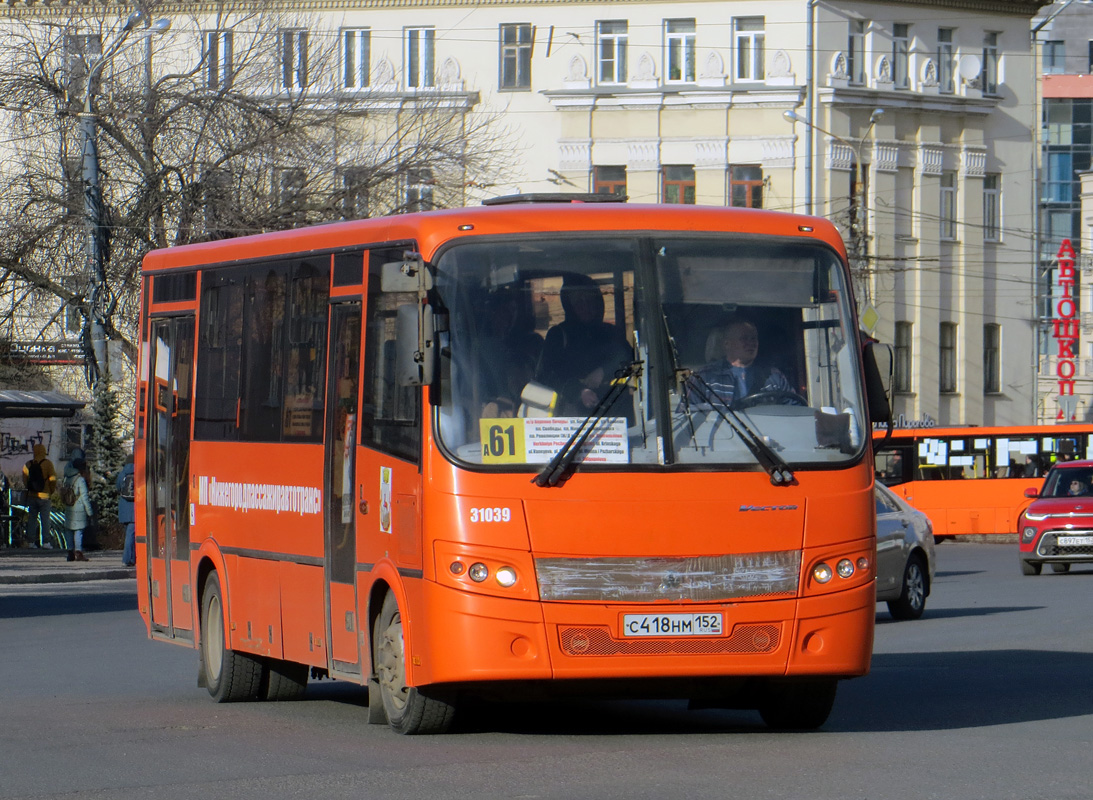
(491, 514)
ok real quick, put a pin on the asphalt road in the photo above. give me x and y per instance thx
(990, 695)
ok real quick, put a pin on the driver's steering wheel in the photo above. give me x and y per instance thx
(770, 398)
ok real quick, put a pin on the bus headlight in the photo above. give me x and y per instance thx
(506, 576)
(822, 573)
(845, 568)
(478, 572)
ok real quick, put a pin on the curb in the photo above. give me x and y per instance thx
(120, 573)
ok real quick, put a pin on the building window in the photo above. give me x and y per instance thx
(1054, 56)
(905, 201)
(946, 347)
(217, 59)
(419, 57)
(1059, 186)
(419, 189)
(746, 186)
(354, 199)
(679, 185)
(293, 59)
(992, 207)
(356, 56)
(1090, 61)
(218, 204)
(855, 51)
(901, 378)
(288, 191)
(901, 55)
(945, 61)
(948, 204)
(991, 57)
(992, 358)
(611, 40)
(515, 56)
(81, 51)
(750, 48)
(609, 180)
(679, 49)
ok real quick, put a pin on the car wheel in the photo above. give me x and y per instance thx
(409, 710)
(912, 598)
(1060, 568)
(1029, 568)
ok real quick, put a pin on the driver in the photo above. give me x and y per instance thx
(736, 374)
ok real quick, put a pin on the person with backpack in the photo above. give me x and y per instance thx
(77, 503)
(40, 480)
(126, 492)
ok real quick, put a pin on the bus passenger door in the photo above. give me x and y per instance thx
(341, 534)
(168, 505)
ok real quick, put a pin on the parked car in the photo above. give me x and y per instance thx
(905, 555)
(1057, 528)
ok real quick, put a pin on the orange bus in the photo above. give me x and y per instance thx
(467, 453)
(972, 480)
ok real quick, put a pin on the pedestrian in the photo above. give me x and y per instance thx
(125, 485)
(40, 480)
(77, 502)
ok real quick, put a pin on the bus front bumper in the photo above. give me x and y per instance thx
(460, 637)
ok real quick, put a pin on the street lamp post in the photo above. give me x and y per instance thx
(859, 231)
(100, 300)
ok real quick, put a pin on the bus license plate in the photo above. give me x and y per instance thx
(671, 625)
(1075, 541)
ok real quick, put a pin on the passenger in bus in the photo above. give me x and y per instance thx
(507, 354)
(734, 371)
(582, 353)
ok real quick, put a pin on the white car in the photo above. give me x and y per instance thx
(905, 555)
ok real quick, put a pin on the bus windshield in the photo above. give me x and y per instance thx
(679, 347)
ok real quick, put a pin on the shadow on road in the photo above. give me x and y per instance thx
(883, 618)
(67, 602)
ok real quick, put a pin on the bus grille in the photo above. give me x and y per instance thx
(1049, 545)
(597, 641)
(643, 580)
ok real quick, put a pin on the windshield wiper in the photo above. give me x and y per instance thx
(774, 464)
(555, 470)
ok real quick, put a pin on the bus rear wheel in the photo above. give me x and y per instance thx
(798, 705)
(409, 710)
(229, 676)
(284, 680)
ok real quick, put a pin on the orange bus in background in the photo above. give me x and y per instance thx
(462, 452)
(972, 480)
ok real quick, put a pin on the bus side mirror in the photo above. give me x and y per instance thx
(408, 275)
(877, 360)
(415, 345)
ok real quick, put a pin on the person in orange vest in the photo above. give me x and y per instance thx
(40, 480)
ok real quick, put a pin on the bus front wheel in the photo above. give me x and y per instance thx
(229, 676)
(798, 705)
(409, 710)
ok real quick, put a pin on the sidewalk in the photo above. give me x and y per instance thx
(29, 565)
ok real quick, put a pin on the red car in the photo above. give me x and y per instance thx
(1057, 529)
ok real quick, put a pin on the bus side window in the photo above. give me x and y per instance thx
(390, 414)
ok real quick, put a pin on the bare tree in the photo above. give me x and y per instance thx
(241, 140)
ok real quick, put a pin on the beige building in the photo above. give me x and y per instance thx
(739, 102)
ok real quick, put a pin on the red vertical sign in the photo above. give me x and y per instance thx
(1066, 332)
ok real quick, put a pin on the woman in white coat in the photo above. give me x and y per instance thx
(77, 515)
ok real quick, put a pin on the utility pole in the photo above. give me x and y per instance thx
(859, 202)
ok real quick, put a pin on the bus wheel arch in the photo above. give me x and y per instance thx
(408, 709)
